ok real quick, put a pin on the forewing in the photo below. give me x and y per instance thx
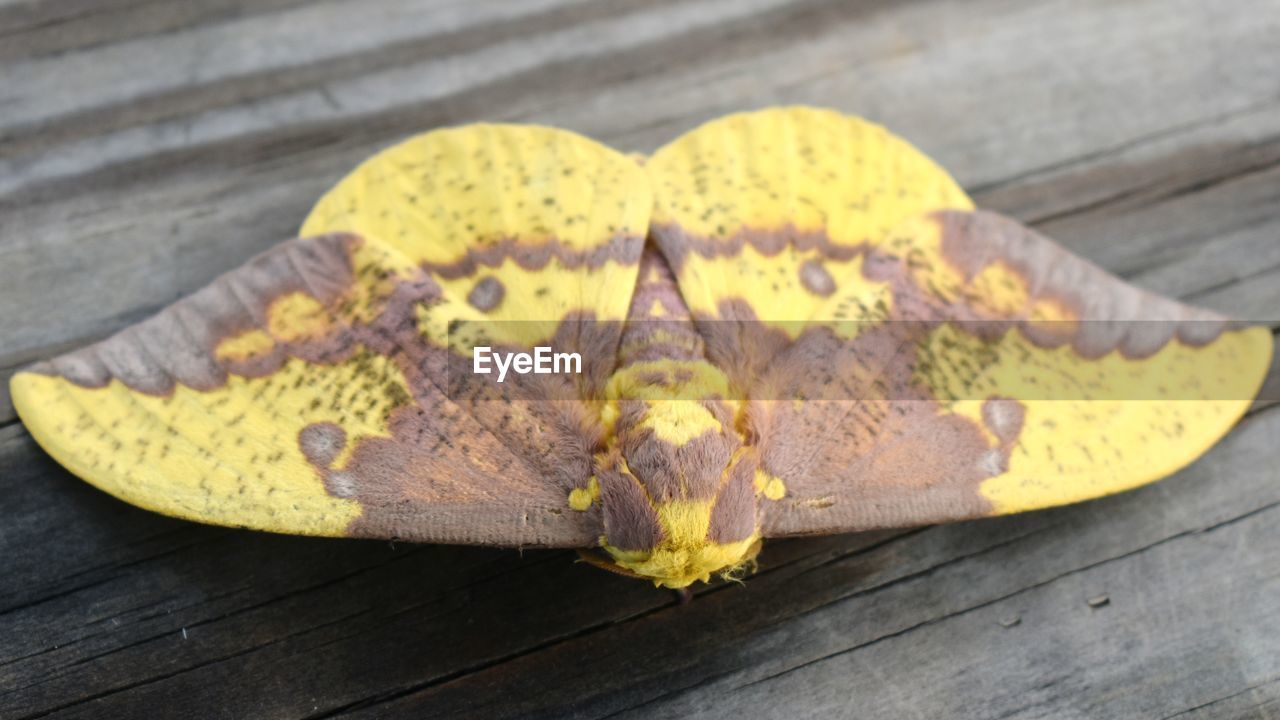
(766, 218)
(319, 390)
(908, 361)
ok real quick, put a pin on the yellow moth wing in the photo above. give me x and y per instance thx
(520, 225)
(181, 456)
(770, 207)
(1060, 458)
(154, 417)
(308, 391)
(1117, 387)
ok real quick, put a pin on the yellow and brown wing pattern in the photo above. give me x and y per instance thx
(307, 392)
(905, 360)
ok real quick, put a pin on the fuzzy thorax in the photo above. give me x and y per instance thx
(686, 554)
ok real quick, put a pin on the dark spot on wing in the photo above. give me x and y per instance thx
(487, 294)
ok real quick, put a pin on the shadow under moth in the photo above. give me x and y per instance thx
(788, 321)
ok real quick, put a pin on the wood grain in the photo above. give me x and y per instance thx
(146, 147)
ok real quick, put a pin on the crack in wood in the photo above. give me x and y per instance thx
(1142, 192)
(1192, 533)
(389, 696)
(165, 676)
(1252, 688)
(1134, 143)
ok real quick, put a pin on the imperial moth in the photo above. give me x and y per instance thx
(790, 322)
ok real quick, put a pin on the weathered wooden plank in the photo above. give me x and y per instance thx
(1144, 135)
(31, 28)
(118, 85)
(852, 45)
(1262, 700)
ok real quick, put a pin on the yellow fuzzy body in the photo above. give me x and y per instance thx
(676, 412)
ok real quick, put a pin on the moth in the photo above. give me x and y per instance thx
(789, 322)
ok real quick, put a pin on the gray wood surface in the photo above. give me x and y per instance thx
(146, 147)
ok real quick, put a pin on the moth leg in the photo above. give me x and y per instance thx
(593, 557)
(683, 595)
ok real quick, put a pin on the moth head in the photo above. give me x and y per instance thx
(676, 514)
